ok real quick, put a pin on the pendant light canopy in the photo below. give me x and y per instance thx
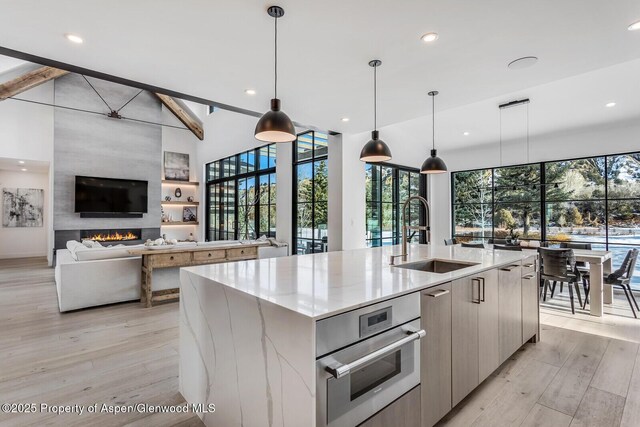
(275, 125)
(433, 164)
(376, 150)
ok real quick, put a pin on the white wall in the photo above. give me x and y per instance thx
(22, 242)
(26, 133)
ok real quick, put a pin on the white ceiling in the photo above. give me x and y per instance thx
(33, 166)
(215, 50)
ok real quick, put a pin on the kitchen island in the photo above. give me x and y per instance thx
(258, 338)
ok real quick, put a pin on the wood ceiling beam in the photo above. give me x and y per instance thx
(29, 81)
(184, 114)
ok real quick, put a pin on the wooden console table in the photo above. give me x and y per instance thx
(185, 257)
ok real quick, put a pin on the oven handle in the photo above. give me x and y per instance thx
(343, 370)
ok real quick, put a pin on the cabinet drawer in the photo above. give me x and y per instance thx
(168, 260)
(212, 255)
(529, 265)
(242, 253)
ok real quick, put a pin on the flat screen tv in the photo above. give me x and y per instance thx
(109, 195)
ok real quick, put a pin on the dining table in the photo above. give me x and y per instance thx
(599, 266)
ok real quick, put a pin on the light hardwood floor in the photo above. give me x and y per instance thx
(119, 354)
(584, 371)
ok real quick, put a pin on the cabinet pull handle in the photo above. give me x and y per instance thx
(476, 280)
(528, 265)
(528, 276)
(439, 293)
(171, 258)
(209, 254)
(509, 268)
(483, 289)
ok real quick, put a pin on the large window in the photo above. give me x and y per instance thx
(310, 193)
(593, 200)
(241, 191)
(387, 188)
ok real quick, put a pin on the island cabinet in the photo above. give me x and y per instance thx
(435, 348)
(530, 300)
(474, 332)
(510, 313)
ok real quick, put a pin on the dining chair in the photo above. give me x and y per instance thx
(449, 242)
(473, 245)
(559, 265)
(621, 278)
(507, 247)
(580, 265)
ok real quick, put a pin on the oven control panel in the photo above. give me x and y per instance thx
(377, 321)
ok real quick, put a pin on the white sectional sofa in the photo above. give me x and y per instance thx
(89, 277)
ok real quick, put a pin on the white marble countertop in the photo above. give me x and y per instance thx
(322, 285)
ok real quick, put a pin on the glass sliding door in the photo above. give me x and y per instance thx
(241, 195)
(311, 190)
(387, 188)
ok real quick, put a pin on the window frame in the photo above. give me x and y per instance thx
(222, 180)
(543, 199)
(295, 202)
(396, 203)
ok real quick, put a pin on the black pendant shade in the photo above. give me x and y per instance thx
(275, 125)
(433, 164)
(376, 150)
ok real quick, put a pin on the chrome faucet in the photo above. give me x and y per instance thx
(406, 227)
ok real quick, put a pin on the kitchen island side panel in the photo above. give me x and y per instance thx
(254, 360)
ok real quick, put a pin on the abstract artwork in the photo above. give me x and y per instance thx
(22, 207)
(176, 166)
(189, 214)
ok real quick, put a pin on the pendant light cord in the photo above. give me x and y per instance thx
(275, 42)
(501, 137)
(433, 122)
(528, 133)
(375, 97)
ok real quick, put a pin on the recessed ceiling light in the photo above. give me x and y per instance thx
(345, 119)
(21, 162)
(23, 169)
(465, 133)
(74, 38)
(524, 62)
(610, 104)
(250, 91)
(429, 37)
(635, 26)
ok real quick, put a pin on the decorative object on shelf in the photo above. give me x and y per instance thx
(22, 207)
(190, 199)
(167, 198)
(176, 166)
(189, 214)
(376, 150)
(433, 164)
(178, 193)
(275, 125)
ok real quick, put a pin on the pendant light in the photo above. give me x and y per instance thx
(275, 125)
(433, 164)
(376, 150)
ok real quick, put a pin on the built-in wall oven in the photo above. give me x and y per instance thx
(366, 359)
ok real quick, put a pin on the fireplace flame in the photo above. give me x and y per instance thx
(111, 237)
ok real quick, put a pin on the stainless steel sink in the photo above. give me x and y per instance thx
(436, 265)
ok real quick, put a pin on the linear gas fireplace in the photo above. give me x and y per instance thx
(118, 235)
(107, 236)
